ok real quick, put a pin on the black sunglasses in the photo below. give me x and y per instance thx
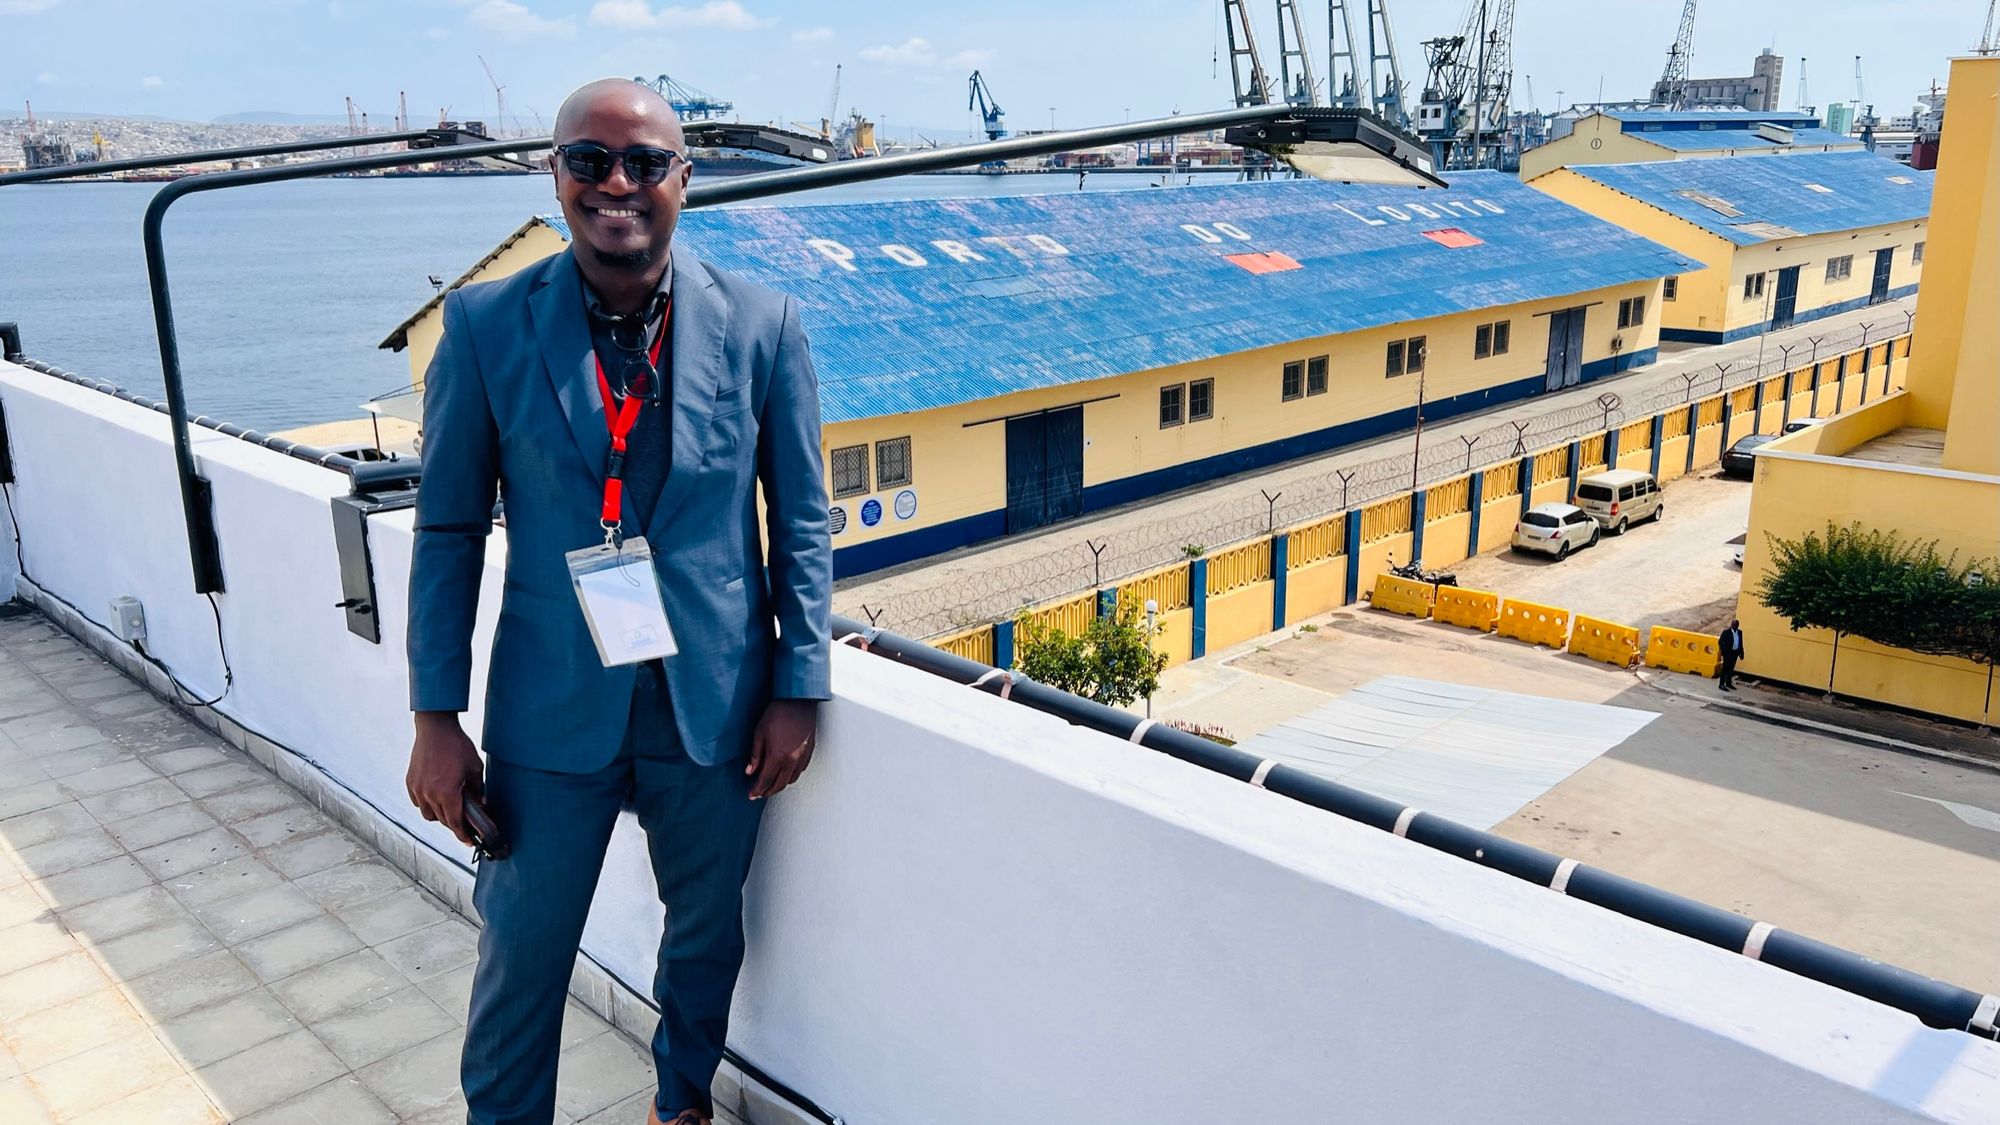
(591, 163)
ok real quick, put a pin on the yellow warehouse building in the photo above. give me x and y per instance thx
(1922, 462)
(1780, 241)
(989, 366)
(1634, 136)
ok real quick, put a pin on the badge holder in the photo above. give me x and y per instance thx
(620, 594)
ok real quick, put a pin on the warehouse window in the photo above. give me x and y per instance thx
(1295, 381)
(1316, 375)
(1201, 399)
(1753, 287)
(1917, 254)
(1670, 289)
(1395, 358)
(1632, 312)
(892, 463)
(850, 471)
(1406, 357)
(1491, 339)
(1171, 399)
(1841, 268)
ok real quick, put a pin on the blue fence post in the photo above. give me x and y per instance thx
(1757, 407)
(1611, 448)
(1813, 406)
(1866, 354)
(1351, 536)
(1575, 466)
(1785, 418)
(1659, 435)
(1198, 600)
(1728, 403)
(1527, 483)
(1003, 644)
(1419, 504)
(1281, 551)
(1475, 499)
(1107, 601)
(1694, 416)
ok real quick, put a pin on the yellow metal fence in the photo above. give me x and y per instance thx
(1239, 567)
(1502, 481)
(1168, 588)
(1317, 542)
(1452, 498)
(1389, 517)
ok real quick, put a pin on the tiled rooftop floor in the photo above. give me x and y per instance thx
(184, 939)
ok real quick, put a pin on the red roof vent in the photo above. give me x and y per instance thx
(1453, 238)
(1267, 262)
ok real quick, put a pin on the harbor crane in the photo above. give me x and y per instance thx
(832, 107)
(1672, 90)
(1464, 109)
(1805, 102)
(1988, 42)
(1299, 89)
(690, 103)
(1378, 84)
(979, 97)
(499, 97)
(1253, 88)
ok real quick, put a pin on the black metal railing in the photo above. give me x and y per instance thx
(1934, 1002)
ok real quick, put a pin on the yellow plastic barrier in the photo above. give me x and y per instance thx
(1470, 609)
(1678, 650)
(1535, 624)
(1615, 644)
(1400, 595)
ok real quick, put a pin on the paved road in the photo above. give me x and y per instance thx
(1811, 832)
(1678, 571)
(990, 580)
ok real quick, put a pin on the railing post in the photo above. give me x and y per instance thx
(1350, 526)
(1281, 550)
(1475, 491)
(1419, 505)
(1003, 644)
(1659, 437)
(1198, 601)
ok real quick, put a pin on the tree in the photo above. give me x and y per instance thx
(1112, 662)
(1850, 581)
(1869, 583)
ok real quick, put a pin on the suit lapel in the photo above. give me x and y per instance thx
(556, 307)
(701, 320)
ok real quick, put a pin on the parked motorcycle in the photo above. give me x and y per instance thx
(1415, 572)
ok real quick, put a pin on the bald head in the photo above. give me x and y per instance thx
(635, 102)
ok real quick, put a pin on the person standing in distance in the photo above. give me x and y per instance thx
(532, 375)
(1729, 643)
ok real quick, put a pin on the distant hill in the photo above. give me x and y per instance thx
(273, 117)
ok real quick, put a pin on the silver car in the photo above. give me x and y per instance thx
(1555, 529)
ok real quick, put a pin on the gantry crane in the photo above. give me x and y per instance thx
(1253, 88)
(1988, 43)
(1672, 90)
(1377, 84)
(1299, 88)
(979, 97)
(690, 103)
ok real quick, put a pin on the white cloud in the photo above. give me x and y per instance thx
(152, 82)
(45, 78)
(811, 34)
(437, 33)
(25, 7)
(638, 15)
(508, 20)
(917, 53)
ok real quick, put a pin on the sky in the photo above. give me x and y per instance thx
(904, 63)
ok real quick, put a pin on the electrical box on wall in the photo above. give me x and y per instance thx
(128, 619)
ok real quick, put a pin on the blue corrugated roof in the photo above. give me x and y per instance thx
(1718, 118)
(1024, 292)
(1704, 140)
(1774, 195)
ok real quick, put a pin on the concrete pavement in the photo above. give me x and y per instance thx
(184, 939)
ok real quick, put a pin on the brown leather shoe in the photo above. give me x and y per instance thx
(684, 1117)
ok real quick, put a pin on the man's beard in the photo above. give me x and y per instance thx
(633, 261)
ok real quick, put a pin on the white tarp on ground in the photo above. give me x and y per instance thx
(1470, 754)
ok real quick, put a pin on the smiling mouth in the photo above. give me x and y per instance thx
(617, 212)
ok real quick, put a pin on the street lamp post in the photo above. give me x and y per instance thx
(1152, 611)
(1417, 444)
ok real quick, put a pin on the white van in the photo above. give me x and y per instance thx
(1619, 499)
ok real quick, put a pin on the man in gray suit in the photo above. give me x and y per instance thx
(532, 375)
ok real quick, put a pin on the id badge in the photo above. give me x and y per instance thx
(620, 595)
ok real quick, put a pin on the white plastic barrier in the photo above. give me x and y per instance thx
(972, 912)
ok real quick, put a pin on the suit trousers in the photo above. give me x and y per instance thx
(701, 830)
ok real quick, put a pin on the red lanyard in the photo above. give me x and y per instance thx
(620, 412)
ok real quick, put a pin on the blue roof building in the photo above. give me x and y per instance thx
(1631, 136)
(989, 365)
(1781, 240)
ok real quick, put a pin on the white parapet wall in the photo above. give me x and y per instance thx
(972, 912)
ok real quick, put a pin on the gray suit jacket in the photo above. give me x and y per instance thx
(511, 401)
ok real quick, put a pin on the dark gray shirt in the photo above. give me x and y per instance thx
(620, 342)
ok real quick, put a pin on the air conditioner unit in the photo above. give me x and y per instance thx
(1775, 133)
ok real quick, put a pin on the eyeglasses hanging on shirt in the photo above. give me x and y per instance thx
(634, 371)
